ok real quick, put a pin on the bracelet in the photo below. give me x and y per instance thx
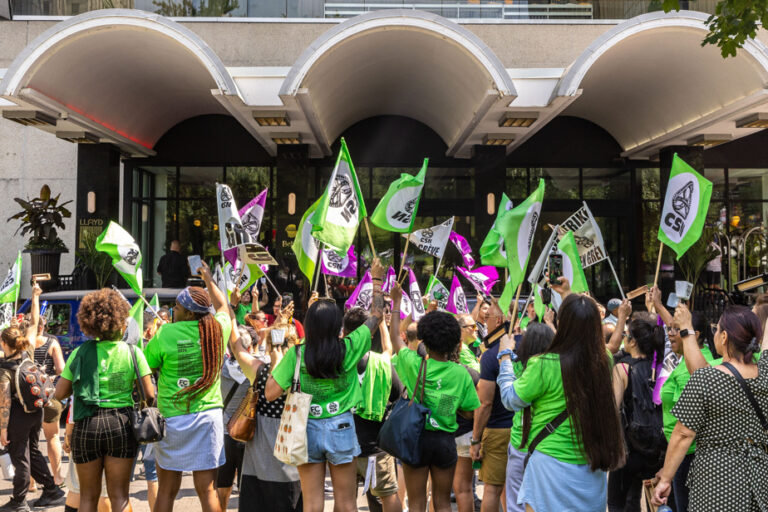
(395, 311)
(473, 442)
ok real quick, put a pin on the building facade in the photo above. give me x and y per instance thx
(136, 116)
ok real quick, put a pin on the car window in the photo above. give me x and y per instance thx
(58, 319)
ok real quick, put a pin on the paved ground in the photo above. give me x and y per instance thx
(186, 502)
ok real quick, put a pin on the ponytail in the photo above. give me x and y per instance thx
(15, 339)
(649, 337)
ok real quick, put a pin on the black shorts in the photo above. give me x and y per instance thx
(108, 433)
(438, 448)
(233, 451)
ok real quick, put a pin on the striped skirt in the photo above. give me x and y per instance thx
(193, 442)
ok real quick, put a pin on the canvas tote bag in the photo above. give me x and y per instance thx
(291, 442)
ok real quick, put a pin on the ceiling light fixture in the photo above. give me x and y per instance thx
(707, 140)
(756, 120)
(518, 119)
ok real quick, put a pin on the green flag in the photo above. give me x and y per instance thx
(125, 254)
(437, 291)
(397, 209)
(538, 303)
(572, 269)
(685, 207)
(134, 329)
(305, 246)
(507, 296)
(9, 290)
(492, 251)
(155, 302)
(517, 228)
(341, 207)
(247, 276)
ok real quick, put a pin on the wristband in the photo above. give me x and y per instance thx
(474, 442)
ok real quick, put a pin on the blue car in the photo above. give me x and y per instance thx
(63, 307)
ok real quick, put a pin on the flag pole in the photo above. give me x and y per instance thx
(658, 264)
(525, 310)
(139, 295)
(271, 284)
(405, 253)
(514, 311)
(616, 277)
(318, 265)
(370, 238)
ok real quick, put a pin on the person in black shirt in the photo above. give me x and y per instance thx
(172, 268)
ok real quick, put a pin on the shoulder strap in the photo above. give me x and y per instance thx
(296, 385)
(421, 377)
(140, 384)
(750, 395)
(543, 433)
(230, 394)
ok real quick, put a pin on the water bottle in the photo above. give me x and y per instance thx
(664, 508)
(6, 466)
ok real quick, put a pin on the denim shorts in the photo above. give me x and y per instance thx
(332, 439)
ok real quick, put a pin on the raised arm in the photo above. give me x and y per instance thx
(625, 309)
(217, 297)
(692, 355)
(394, 325)
(665, 315)
(476, 309)
(377, 304)
(386, 340)
(31, 333)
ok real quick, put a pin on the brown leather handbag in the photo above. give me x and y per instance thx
(242, 424)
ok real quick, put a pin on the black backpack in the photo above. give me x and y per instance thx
(641, 417)
(33, 388)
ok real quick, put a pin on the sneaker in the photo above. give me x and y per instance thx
(50, 498)
(15, 506)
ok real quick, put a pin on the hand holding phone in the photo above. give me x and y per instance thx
(555, 267)
(195, 264)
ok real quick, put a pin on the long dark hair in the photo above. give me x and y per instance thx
(586, 373)
(323, 350)
(648, 335)
(744, 332)
(536, 340)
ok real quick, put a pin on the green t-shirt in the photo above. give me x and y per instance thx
(516, 433)
(330, 397)
(673, 388)
(467, 357)
(241, 311)
(541, 385)
(449, 388)
(116, 373)
(175, 352)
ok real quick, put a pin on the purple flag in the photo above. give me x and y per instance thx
(464, 249)
(482, 278)
(417, 306)
(251, 215)
(457, 301)
(363, 294)
(389, 280)
(342, 266)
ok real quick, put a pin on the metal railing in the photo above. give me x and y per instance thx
(461, 10)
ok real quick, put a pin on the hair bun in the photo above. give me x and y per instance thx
(753, 346)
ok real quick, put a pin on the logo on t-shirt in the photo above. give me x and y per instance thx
(332, 407)
(439, 383)
(182, 382)
(315, 410)
(434, 423)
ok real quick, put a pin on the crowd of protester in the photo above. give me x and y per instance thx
(585, 408)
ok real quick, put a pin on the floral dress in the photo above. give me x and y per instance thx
(730, 470)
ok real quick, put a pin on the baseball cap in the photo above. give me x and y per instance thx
(613, 304)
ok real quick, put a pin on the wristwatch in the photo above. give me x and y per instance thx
(507, 352)
(474, 442)
(684, 333)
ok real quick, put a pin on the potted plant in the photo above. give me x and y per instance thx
(40, 217)
(96, 264)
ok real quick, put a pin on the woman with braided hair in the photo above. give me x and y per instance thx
(188, 356)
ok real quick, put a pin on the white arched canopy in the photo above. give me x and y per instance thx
(125, 75)
(650, 83)
(396, 62)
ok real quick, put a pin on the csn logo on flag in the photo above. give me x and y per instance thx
(341, 195)
(676, 216)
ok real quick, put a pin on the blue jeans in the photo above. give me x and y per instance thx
(332, 439)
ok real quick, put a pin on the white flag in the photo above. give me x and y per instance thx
(587, 234)
(433, 240)
(231, 230)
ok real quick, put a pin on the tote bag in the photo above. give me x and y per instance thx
(400, 435)
(291, 443)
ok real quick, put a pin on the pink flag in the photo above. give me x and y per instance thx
(417, 306)
(363, 294)
(251, 215)
(342, 266)
(389, 280)
(457, 301)
(464, 249)
(482, 278)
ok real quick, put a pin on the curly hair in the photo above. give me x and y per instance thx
(15, 339)
(354, 318)
(102, 314)
(440, 332)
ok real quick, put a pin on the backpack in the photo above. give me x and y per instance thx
(641, 417)
(34, 389)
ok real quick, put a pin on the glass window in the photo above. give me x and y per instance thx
(747, 184)
(717, 177)
(196, 182)
(560, 183)
(605, 183)
(648, 182)
(383, 176)
(517, 183)
(449, 183)
(57, 319)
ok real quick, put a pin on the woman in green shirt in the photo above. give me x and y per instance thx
(328, 372)
(100, 375)
(572, 379)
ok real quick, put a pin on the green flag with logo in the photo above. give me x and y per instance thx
(437, 291)
(572, 269)
(9, 290)
(305, 246)
(125, 254)
(517, 227)
(685, 207)
(341, 207)
(397, 209)
(493, 252)
(507, 296)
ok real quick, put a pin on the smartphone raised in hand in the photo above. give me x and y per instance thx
(555, 267)
(195, 264)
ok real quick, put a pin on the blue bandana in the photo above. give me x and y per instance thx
(185, 299)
